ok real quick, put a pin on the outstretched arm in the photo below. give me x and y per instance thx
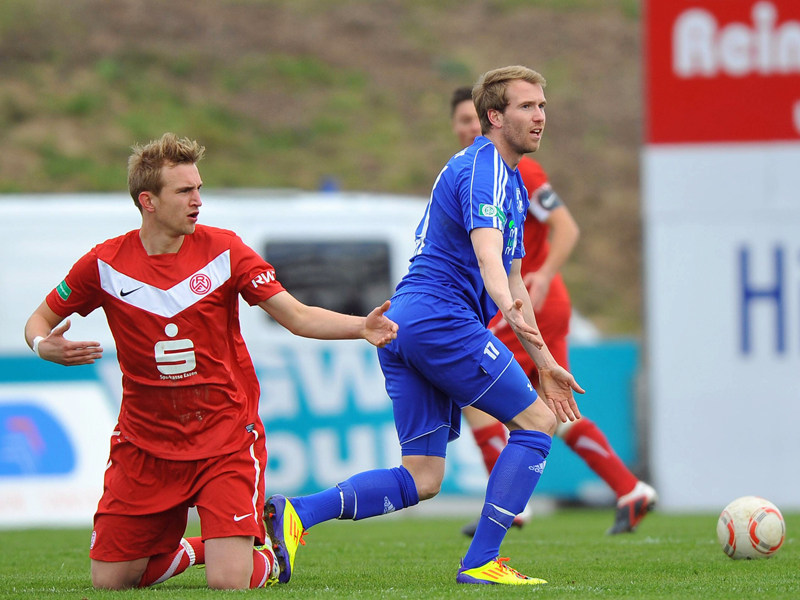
(557, 383)
(323, 324)
(52, 345)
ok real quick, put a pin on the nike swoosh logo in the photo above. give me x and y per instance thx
(123, 293)
(238, 518)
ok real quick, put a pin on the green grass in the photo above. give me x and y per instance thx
(670, 556)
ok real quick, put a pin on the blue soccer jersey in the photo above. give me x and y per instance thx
(475, 189)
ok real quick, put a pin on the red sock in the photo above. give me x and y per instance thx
(588, 442)
(262, 567)
(163, 566)
(491, 440)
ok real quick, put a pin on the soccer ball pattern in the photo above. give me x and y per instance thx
(751, 527)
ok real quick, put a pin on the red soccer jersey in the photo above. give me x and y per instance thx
(542, 198)
(553, 318)
(189, 386)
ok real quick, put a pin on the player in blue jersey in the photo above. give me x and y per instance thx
(465, 265)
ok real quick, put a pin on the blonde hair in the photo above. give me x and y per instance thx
(146, 162)
(490, 90)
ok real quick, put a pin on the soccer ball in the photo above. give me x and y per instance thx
(751, 527)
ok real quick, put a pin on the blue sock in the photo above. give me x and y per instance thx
(511, 483)
(366, 494)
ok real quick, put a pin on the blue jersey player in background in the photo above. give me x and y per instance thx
(466, 265)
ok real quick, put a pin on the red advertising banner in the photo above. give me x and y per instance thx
(722, 70)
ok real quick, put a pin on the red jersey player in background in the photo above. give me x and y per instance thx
(550, 234)
(188, 432)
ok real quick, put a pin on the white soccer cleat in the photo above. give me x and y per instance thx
(633, 507)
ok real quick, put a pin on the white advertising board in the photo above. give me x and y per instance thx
(721, 192)
(53, 463)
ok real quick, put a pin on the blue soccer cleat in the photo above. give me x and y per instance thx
(286, 532)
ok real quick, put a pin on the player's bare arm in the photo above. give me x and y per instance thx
(556, 383)
(322, 324)
(488, 245)
(52, 345)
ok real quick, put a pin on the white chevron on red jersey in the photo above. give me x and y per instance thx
(189, 387)
(166, 303)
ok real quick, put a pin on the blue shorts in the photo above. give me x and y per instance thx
(444, 359)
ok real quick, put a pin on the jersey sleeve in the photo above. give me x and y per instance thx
(543, 200)
(482, 190)
(80, 290)
(255, 277)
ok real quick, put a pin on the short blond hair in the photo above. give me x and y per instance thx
(490, 90)
(146, 162)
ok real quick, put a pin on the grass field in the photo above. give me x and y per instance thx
(671, 556)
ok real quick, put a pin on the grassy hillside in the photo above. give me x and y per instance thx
(287, 93)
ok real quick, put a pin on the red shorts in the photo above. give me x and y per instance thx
(145, 503)
(553, 321)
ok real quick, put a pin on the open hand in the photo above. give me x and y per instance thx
(557, 385)
(513, 315)
(58, 349)
(379, 330)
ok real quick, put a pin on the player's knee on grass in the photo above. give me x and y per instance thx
(237, 578)
(117, 575)
(229, 562)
